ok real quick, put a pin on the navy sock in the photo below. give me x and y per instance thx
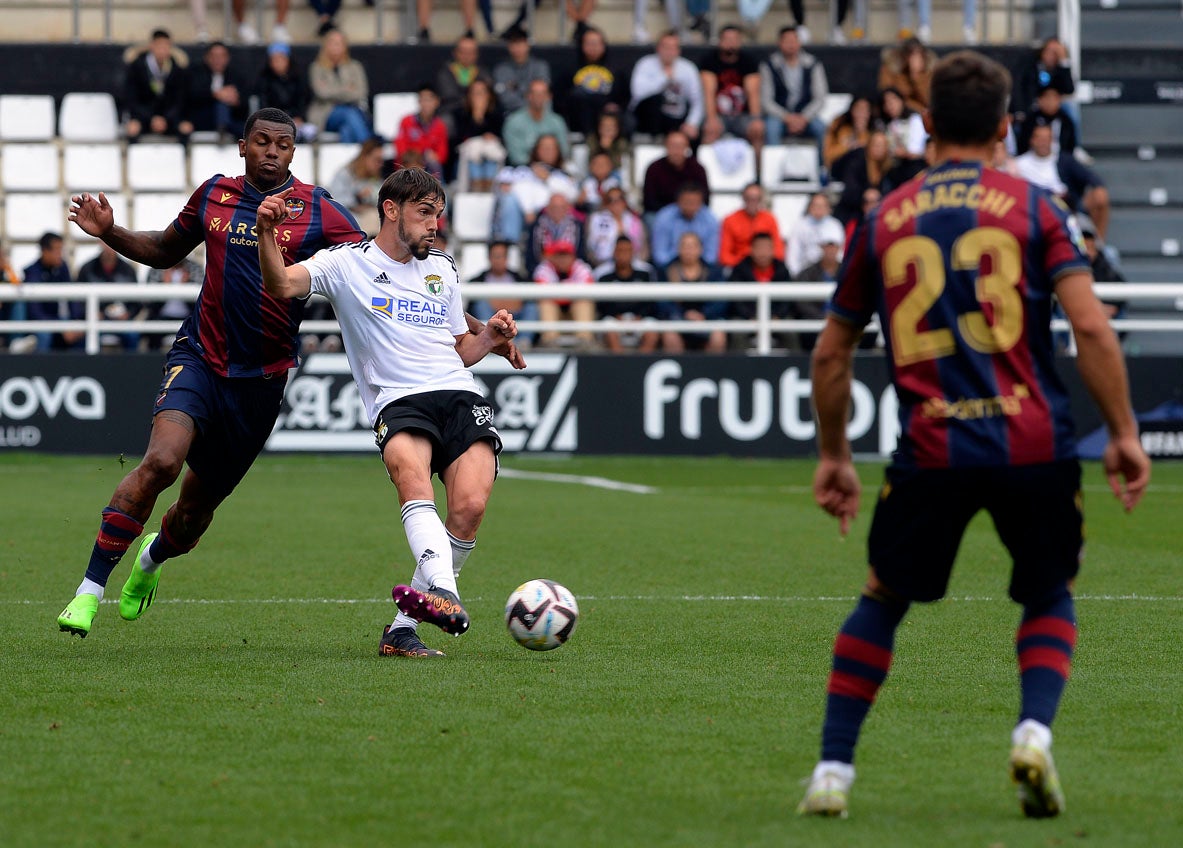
(1044, 645)
(862, 657)
(116, 533)
(164, 547)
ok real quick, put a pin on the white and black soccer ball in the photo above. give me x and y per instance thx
(541, 615)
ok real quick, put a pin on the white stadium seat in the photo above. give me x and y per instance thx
(30, 167)
(205, 160)
(157, 167)
(22, 255)
(389, 110)
(28, 216)
(788, 209)
(331, 158)
(473, 258)
(88, 116)
(472, 215)
(303, 165)
(730, 164)
(723, 203)
(26, 117)
(93, 167)
(835, 104)
(155, 211)
(790, 167)
(645, 155)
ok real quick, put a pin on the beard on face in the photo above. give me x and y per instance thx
(419, 249)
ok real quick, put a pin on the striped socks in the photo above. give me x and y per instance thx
(1044, 645)
(116, 533)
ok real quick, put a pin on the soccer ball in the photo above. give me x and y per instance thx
(541, 615)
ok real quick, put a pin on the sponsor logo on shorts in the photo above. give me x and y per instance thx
(434, 283)
(482, 415)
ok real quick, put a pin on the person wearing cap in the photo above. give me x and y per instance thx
(556, 222)
(805, 239)
(560, 265)
(513, 75)
(281, 84)
(832, 238)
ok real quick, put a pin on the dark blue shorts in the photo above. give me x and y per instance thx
(922, 514)
(234, 416)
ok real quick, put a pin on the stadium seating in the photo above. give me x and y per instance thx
(205, 160)
(724, 203)
(303, 165)
(28, 216)
(473, 257)
(93, 167)
(788, 209)
(88, 116)
(331, 158)
(155, 211)
(644, 155)
(30, 167)
(472, 216)
(119, 208)
(730, 164)
(157, 167)
(790, 167)
(26, 117)
(1148, 232)
(389, 110)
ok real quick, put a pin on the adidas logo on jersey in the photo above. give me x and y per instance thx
(382, 279)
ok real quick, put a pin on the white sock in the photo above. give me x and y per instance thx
(402, 619)
(460, 551)
(429, 545)
(1041, 734)
(147, 564)
(89, 587)
(844, 771)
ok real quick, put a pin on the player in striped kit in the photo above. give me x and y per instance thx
(409, 347)
(961, 265)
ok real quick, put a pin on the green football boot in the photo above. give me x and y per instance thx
(79, 615)
(140, 589)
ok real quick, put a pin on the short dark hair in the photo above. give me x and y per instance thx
(968, 98)
(692, 188)
(272, 116)
(426, 86)
(624, 238)
(47, 240)
(161, 33)
(728, 28)
(763, 235)
(786, 28)
(409, 185)
(501, 243)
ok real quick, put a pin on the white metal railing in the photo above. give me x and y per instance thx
(763, 295)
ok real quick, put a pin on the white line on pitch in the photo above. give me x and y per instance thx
(579, 480)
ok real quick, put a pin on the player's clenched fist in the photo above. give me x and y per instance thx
(273, 210)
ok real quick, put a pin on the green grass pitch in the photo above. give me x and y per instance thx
(249, 706)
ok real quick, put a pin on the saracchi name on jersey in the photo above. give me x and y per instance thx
(961, 264)
(399, 321)
(236, 326)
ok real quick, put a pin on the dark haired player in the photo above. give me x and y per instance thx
(224, 376)
(409, 347)
(961, 265)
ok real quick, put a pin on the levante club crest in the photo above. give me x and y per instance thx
(434, 283)
(295, 208)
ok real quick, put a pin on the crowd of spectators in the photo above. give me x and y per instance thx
(496, 129)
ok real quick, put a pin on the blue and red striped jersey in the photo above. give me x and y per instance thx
(238, 328)
(960, 264)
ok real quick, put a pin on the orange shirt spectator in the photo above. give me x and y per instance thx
(735, 239)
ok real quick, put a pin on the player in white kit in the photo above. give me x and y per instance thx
(409, 345)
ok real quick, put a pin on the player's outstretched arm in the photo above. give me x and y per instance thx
(155, 248)
(1101, 366)
(496, 333)
(280, 281)
(836, 485)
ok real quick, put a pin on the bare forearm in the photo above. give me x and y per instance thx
(473, 348)
(148, 247)
(832, 374)
(1102, 369)
(275, 278)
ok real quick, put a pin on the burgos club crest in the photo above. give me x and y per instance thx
(434, 283)
(295, 208)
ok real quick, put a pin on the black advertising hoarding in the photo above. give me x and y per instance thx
(647, 405)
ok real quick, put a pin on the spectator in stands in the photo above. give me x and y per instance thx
(689, 267)
(870, 200)
(607, 138)
(557, 222)
(689, 213)
(906, 136)
(752, 12)
(154, 90)
(326, 13)
(824, 270)
(217, 98)
(624, 267)
(423, 12)
(1048, 68)
(731, 92)
(591, 86)
(513, 75)
(861, 170)
(1003, 161)
(51, 267)
(560, 265)
(499, 271)
(611, 222)
(282, 85)
(522, 192)
(454, 78)
(601, 177)
(13, 311)
(741, 226)
(247, 34)
(793, 89)
(666, 91)
(665, 176)
(1049, 111)
(907, 68)
(1105, 270)
(476, 139)
(340, 91)
(849, 131)
(760, 266)
(110, 267)
(923, 28)
(356, 185)
(177, 309)
(1077, 185)
(424, 132)
(534, 120)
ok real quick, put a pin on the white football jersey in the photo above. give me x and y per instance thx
(399, 322)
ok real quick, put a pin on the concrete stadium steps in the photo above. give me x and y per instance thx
(1148, 232)
(1152, 269)
(1132, 182)
(1126, 127)
(1140, 27)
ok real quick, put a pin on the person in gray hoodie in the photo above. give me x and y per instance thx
(512, 77)
(793, 90)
